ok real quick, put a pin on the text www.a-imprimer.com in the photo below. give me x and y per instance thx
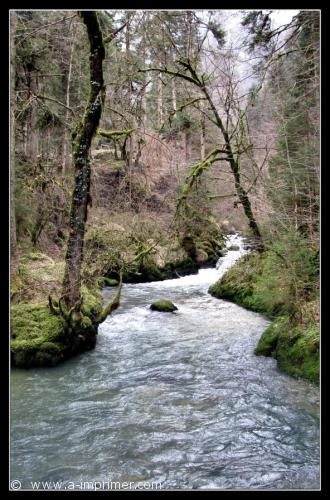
(88, 485)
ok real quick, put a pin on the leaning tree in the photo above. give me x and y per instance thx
(231, 147)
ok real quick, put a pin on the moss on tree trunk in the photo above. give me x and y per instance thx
(81, 143)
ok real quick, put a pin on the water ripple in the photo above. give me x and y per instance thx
(177, 398)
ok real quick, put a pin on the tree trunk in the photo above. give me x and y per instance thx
(202, 136)
(144, 110)
(13, 245)
(116, 157)
(129, 157)
(189, 34)
(173, 85)
(33, 134)
(81, 144)
(159, 102)
(235, 169)
(245, 201)
(65, 153)
(173, 89)
(32, 146)
(187, 145)
(144, 91)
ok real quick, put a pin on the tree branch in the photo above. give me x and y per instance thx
(171, 72)
(42, 27)
(115, 303)
(47, 98)
(112, 35)
(216, 196)
(114, 134)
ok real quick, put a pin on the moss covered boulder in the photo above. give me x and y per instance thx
(110, 282)
(296, 348)
(163, 306)
(36, 335)
(41, 338)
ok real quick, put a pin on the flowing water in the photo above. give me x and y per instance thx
(175, 399)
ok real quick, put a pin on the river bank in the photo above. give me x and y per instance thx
(293, 337)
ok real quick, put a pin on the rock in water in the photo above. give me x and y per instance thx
(163, 306)
(110, 282)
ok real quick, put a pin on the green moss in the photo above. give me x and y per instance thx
(45, 358)
(259, 283)
(50, 347)
(255, 283)
(36, 335)
(115, 134)
(268, 341)
(297, 351)
(86, 322)
(41, 338)
(296, 348)
(150, 272)
(92, 303)
(34, 322)
(213, 249)
(110, 282)
(237, 284)
(21, 358)
(163, 306)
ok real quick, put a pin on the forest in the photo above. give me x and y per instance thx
(164, 238)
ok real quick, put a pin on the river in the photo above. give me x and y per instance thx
(175, 399)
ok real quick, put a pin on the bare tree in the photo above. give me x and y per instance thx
(228, 150)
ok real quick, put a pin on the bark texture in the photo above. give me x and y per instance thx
(81, 143)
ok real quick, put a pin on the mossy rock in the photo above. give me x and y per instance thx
(86, 322)
(268, 341)
(41, 338)
(50, 347)
(297, 352)
(92, 303)
(148, 271)
(163, 306)
(110, 282)
(189, 245)
(201, 256)
(30, 322)
(233, 248)
(295, 347)
(37, 336)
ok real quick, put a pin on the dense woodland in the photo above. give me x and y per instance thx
(139, 140)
